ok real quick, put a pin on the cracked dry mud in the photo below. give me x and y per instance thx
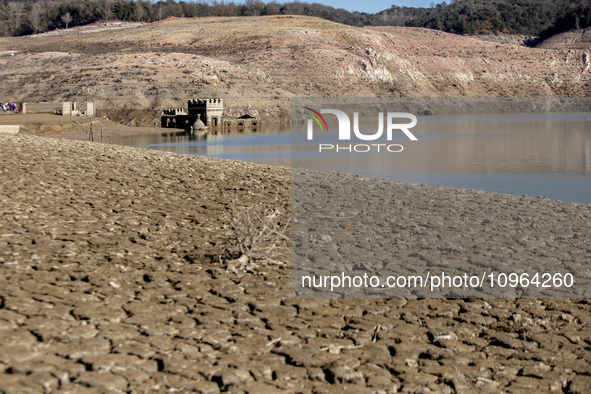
(110, 282)
(346, 224)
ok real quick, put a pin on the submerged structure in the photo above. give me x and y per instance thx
(205, 116)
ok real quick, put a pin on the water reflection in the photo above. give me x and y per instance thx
(462, 144)
(268, 144)
(539, 154)
(533, 154)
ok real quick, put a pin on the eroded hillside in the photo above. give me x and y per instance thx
(257, 63)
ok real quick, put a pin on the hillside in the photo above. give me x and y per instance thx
(574, 39)
(257, 63)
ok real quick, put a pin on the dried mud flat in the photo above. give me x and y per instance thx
(110, 282)
(348, 224)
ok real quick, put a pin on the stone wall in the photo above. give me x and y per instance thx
(66, 108)
(36, 108)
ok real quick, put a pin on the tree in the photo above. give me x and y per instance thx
(271, 9)
(67, 18)
(13, 14)
(105, 9)
(124, 10)
(254, 7)
(36, 17)
(140, 11)
(159, 11)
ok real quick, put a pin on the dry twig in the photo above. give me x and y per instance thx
(256, 236)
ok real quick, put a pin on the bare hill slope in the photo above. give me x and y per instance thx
(257, 63)
(574, 39)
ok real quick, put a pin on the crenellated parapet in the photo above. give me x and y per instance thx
(174, 111)
(204, 113)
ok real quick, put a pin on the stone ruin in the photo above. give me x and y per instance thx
(66, 108)
(69, 108)
(205, 116)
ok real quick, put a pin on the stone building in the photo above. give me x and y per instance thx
(204, 114)
(69, 108)
(209, 111)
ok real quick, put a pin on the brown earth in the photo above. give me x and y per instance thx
(111, 281)
(50, 125)
(257, 63)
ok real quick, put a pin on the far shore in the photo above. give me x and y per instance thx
(57, 126)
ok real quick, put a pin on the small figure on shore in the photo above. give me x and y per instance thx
(9, 107)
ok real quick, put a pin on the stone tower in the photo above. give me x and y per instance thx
(209, 110)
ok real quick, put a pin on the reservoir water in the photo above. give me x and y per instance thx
(545, 155)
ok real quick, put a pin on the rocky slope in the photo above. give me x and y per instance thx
(257, 63)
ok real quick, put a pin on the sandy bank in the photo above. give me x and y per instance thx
(109, 279)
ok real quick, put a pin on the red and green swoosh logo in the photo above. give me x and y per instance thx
(316, 115)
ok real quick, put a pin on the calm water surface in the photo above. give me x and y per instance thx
(539, 155)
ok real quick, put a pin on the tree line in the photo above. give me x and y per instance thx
(541, 18)
(531, 17)
(22, 17)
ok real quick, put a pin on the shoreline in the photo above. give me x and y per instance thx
(111, 279)
(57, 126)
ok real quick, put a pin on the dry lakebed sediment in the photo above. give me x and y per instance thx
(113, 280)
